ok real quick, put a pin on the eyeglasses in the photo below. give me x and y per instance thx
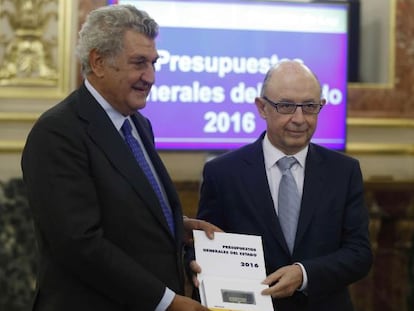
(290, 108)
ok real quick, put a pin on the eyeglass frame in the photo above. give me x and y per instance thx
(296, 105)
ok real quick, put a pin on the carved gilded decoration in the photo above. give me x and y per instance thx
(34, 41)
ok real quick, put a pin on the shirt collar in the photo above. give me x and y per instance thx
(272, 154)
(116, 117)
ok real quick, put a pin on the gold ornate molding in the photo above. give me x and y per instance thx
(35, 53)
(16, 146)
(380, 122)
(352, 148)
(351, 122)
(380, 149)
(11, 146)
(18, 117)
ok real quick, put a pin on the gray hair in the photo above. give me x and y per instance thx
(104, 31)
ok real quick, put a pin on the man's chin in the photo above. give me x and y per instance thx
(298, 143)
(139, 104)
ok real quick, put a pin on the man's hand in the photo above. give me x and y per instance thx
(284, 281)
(182, 303)
(191, 224)
(195, 269)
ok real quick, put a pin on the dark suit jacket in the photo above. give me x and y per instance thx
(103, 240)
(332, 239)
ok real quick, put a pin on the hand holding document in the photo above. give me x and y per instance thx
(232, 271)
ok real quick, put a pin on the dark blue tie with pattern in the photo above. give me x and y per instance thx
(139, 156)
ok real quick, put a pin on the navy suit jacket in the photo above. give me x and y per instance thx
(103, 240)
(332, 240)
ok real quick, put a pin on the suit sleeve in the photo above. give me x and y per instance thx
(57, 172)
(353, 259)
(209, 206)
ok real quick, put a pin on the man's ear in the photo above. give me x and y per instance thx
(260, 104)
(97, 63)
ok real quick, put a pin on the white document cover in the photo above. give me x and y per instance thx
(232, 271)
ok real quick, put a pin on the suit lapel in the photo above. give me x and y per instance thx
(312, 190)
(102, 131)
(255, 179)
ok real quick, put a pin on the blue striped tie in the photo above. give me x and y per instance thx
(139, 156)
(288, 201)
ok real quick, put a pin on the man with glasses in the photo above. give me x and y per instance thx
(304, 200)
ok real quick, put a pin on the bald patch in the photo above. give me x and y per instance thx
(288, 70)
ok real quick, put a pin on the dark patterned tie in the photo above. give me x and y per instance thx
(288, 201)
(139, 156)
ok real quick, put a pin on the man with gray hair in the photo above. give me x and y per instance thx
(108, 220)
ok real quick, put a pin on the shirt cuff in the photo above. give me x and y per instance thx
(304, 276)
(166, 300)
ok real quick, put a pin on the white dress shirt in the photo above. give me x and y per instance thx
(118, 119)
(274, 175)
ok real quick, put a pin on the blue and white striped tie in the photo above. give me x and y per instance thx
(288, 201)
